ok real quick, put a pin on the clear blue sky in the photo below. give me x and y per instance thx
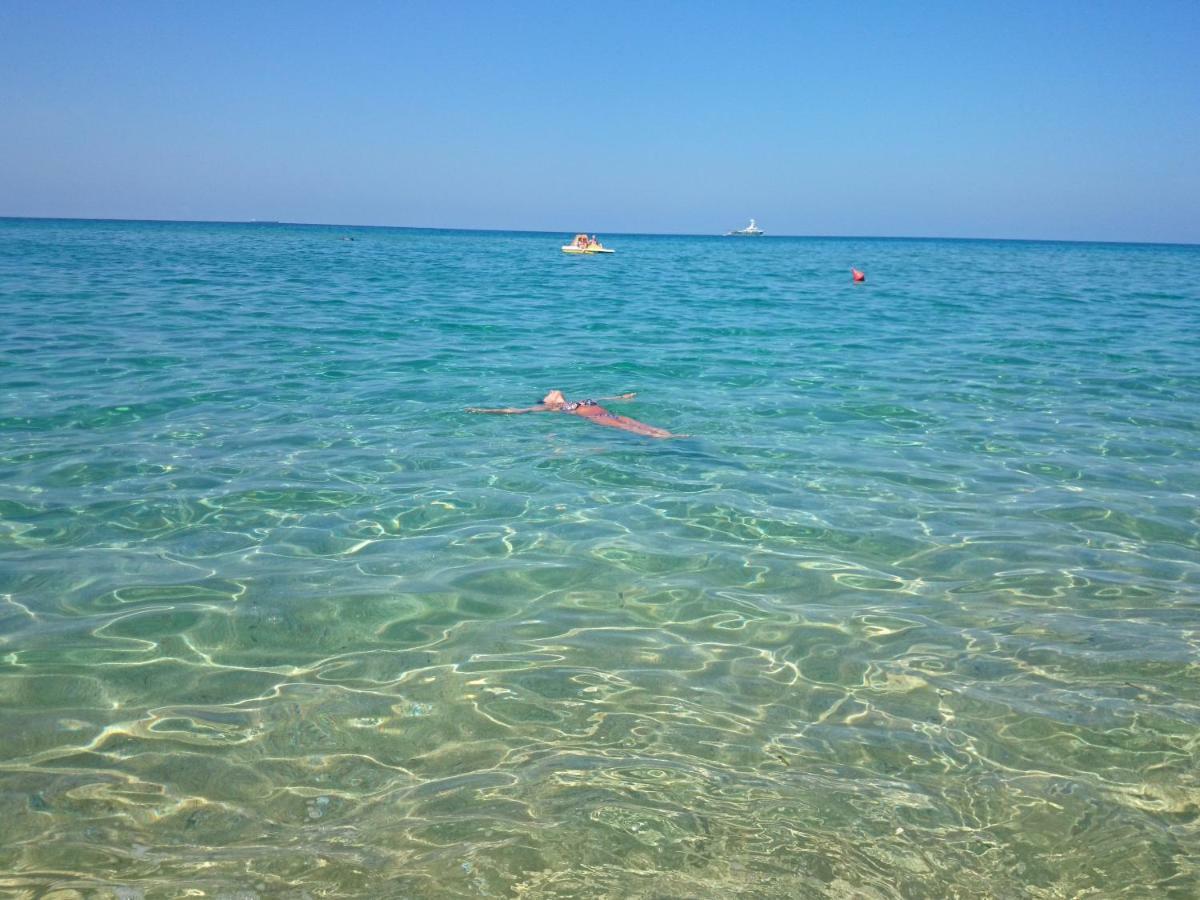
(1048, 119)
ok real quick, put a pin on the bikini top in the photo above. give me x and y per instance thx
(571, 407)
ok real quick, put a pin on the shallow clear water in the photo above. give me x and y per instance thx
(914, 611)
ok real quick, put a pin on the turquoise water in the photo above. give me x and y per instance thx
(913, 612)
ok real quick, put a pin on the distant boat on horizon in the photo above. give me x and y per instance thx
(751, 230)
(584, 244)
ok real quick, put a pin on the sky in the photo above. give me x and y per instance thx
(1064, 120)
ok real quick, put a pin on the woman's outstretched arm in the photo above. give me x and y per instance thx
(628, 396)
(507, 410)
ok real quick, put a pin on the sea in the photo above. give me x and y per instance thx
(911, 610)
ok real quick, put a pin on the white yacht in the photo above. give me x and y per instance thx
(751, 230)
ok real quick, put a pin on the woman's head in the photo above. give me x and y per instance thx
(554, 399)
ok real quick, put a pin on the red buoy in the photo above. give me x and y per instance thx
(858, 276)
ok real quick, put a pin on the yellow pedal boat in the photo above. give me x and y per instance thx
(584, 245)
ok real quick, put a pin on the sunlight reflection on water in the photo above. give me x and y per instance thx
(913, 612)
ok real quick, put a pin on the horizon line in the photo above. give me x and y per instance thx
(865, 237)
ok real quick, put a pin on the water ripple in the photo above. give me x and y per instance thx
(913, 613)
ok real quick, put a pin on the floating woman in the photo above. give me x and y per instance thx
(585, 409)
